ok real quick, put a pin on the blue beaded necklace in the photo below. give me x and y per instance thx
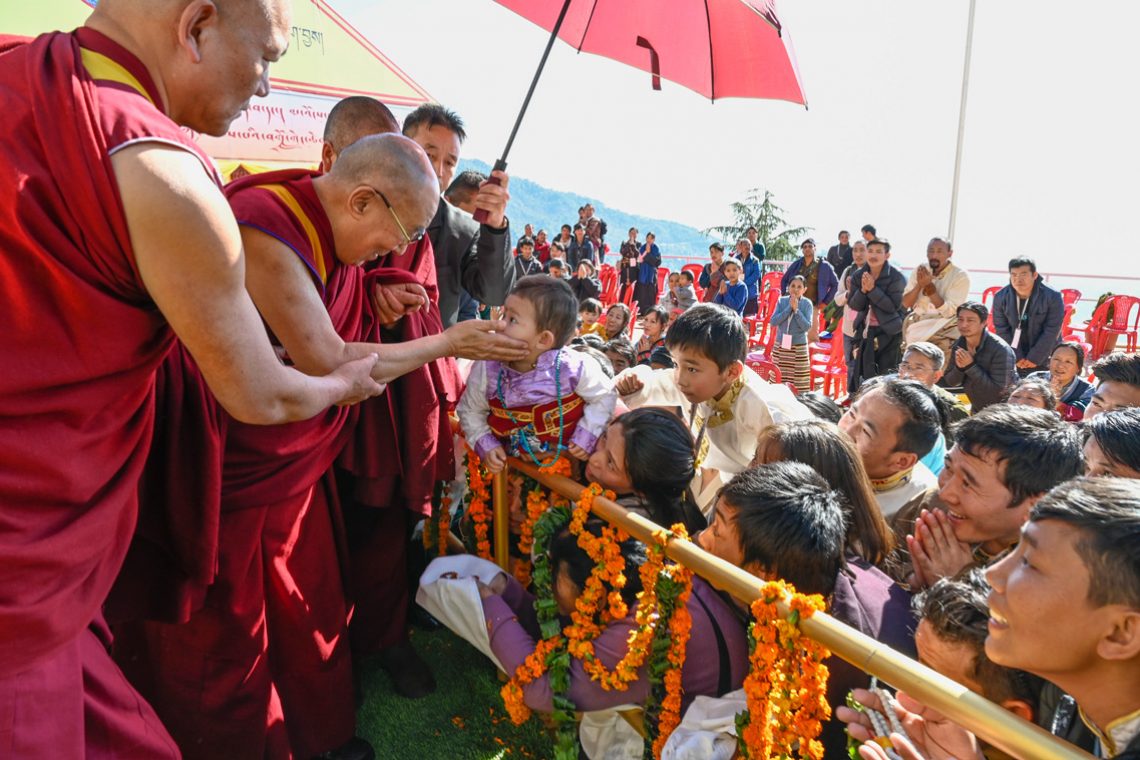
(561, 419)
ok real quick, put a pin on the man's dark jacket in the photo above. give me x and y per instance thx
(1042, 329)
(471, 257)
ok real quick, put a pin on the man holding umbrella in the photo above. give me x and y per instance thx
(468, 256)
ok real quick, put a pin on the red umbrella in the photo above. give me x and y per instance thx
(719, 48)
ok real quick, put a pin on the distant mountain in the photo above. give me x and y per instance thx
(549, 209)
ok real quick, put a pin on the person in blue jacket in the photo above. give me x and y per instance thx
(751, 268)
(1028, 315)
(733, 292)
(792, 318)
(817, 273)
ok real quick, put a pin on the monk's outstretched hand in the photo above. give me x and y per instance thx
(483, 339)
(356, 380)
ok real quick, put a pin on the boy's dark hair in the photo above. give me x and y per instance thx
(623, 348)
(1118, 367)
(717, 246)
(821, 407)
(790, 523)
(957, 610)
(661, 355)
(880, 241)
(924, 417)
(525, 241)
(843, 232)
(465, 184)
(565, 227)
(687, 274)
(1022, 261)
(594, 353)
(1118, 435)
(591, 305)
(975, 307)
(1035, 385)
(589, 339)
(869, 228)
(434, 115)
(566, 556)
(556, 246)
(1038, 449)
(555, 307)
(715, 331)
(1107, 512)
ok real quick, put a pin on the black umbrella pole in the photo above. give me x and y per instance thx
(501, 164)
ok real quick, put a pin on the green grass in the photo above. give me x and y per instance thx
(462, 720)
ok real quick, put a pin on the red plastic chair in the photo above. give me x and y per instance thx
(1070, 296)
(1124, 310)
(695, 270)
(750, 322)
(766, 369)
(771, 280)
(830, 368)
(988, 296)
(1090, 333)
(609, 279)
(662, 276)
(768, 300)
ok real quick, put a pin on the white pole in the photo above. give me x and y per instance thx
(961, 121)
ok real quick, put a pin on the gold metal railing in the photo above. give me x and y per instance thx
(988, 721)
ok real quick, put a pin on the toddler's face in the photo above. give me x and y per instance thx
(520, 319)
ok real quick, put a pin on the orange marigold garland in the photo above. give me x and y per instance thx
(550, 653)
(672, 587)
(659, 639)
(478, 503)
(437, 526)
(537, 503)
(786, 688)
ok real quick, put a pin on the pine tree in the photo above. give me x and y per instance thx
(780, 241)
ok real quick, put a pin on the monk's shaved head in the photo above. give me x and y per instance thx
(208, 58)
(395, 165)
(357, 117)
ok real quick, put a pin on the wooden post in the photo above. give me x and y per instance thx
(988, 721)
(501, 520)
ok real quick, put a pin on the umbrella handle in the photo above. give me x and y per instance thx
(481, 214)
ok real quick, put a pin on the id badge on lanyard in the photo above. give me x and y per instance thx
(1020, 318)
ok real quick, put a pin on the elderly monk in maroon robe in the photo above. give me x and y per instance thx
(114, 231)
(402, 445)
(272, 633)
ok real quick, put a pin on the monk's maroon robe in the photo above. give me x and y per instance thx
(263, 669)
(400, 448)
(79, 349)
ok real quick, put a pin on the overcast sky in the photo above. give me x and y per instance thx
(1050, 161)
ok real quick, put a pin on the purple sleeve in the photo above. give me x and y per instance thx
(512, 644)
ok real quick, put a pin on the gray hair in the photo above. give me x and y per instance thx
(930, 351)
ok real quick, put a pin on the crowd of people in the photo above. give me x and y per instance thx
(989, 354)
(208, 498)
